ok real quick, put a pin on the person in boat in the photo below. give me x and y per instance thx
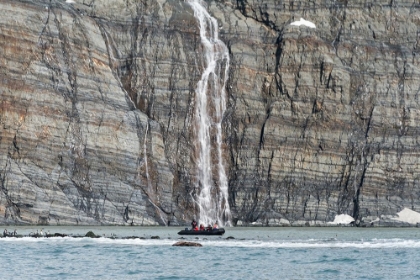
(215, 226)
(201, 227)
(193, 224)
(196, 228)
(209, 228)
(5, 233)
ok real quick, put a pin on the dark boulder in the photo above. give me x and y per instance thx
(91, 234)
(187, 244)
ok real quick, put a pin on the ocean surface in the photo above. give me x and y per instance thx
(242, 253)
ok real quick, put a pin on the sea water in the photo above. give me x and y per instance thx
(242, 253)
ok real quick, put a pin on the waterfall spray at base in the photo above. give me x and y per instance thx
(210, 104)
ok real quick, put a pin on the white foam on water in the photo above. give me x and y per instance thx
(88, 240)
(223, 242)
(372, 244)
(136, 241)
(42, 239)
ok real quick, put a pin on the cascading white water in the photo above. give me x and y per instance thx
(210, 107)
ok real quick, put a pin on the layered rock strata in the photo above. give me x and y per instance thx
(97, 111)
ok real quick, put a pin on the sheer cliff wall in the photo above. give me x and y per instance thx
(97, 109)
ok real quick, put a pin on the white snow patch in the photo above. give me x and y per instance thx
(342, 219)
(70, 1)
(303, 22)
(408, 216)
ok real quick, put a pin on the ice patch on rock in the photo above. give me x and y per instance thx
(371, 219)
(70, 1)
(304, 23)
(278, 222)
(342, 219)
(408, 216)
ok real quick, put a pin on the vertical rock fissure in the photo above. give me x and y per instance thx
(151, 193)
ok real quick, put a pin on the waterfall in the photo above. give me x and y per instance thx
(210, 105)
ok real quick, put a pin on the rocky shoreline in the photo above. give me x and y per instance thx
(91, 234)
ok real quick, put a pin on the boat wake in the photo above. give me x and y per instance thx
(225, 242)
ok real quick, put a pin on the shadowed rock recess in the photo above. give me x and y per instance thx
(97, 111)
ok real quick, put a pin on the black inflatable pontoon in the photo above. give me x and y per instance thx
(219, 231)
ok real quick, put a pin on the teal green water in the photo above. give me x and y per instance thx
(253, 253)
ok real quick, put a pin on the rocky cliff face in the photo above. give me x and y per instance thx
(97, 111)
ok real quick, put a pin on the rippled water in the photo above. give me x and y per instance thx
(254, 253)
